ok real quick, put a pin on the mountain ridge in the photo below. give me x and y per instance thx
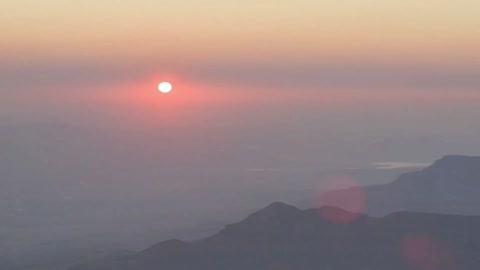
(448, 186)
(403, 231)
(301, 239)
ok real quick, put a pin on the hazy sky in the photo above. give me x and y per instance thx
(279, 85)
(257, 84)
(93, 48)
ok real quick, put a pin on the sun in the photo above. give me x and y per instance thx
(165, 87)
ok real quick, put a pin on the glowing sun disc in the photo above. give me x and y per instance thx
(165, 87)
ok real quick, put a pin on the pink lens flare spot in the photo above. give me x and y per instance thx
(424, 253)
(342, 191)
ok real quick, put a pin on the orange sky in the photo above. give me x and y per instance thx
(440, 31)
(344, 52)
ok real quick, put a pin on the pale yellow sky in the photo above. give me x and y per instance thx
(145, 31)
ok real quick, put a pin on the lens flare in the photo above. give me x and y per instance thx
(342, 191)
(424, 253)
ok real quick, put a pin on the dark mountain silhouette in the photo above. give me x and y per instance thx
(448, 186)
(284, 237)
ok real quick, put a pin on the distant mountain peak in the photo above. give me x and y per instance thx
(449, 186)
(279, 207)
(274, 210)
(450, 168)
(457, 161)
(275, 213)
